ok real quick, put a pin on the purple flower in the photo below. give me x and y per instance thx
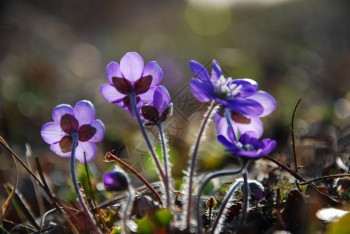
(248, 145)
(131, 77)
(69, 122)
(244, 123)
(160, 108)
(115, 181)
(240, 95)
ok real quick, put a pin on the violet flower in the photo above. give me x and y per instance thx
(243, 123)
(131, 77)
(68, 122)
(160, 109)
(248, 145)
(233, 94)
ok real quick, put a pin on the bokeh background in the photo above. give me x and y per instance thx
(54, 52)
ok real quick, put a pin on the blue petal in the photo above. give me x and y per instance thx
(266, 100)
(200, 91)
(200, 71)
(245, 106)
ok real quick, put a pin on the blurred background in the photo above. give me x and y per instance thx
(54, 52)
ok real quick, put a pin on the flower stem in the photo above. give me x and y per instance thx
(204, 183)
(76, 186)
(166, 166)
(193, 159)
(224, 203)
(228, 119)
(127, 209)
(245, 206)
(145, 136)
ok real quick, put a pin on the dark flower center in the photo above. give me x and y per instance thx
(124, 86)
(70, 125)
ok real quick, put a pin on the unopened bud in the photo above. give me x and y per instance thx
(115, 181)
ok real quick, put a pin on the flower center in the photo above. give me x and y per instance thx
(225, 88)
(246, 147)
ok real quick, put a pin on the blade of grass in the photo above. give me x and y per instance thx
(6, 204)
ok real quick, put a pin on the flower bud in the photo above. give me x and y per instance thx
(115, 181)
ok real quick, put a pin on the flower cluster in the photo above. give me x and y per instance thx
(134, 86)
(241, 107)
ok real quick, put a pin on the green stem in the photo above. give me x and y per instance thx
(166, 166)
(145, 136)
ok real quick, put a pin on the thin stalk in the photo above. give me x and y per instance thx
(138, 175)
(224, 203)
(293, 138)
(206, 180)
(145, 136)
(245, 198)
(193, 159)
(166, 166)
(76, 186)
(228, 119)
(127, 208)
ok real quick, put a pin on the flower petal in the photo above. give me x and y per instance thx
(51, 132)
(266, 100)
(57, 150)
(200, 71)
(199, 91)
(161, 99)
(60, 110)
(110, 94)
(247, 107)
(216, 71)
(152, 68)
(100, 130)
(147, 97)
(267, 146)
(255, 125)
(113, 70)
(84, 112)
(88, 148)
(131, 66)
(247, 89)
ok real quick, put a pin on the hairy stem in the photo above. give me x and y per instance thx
(166, 166)
(224, 203)
(245, 198)
(193, 159)
(145, 136)
(206, 180)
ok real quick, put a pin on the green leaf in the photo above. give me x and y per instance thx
(163, 217)
(157, 220)
(145, 225)
(340, 226)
